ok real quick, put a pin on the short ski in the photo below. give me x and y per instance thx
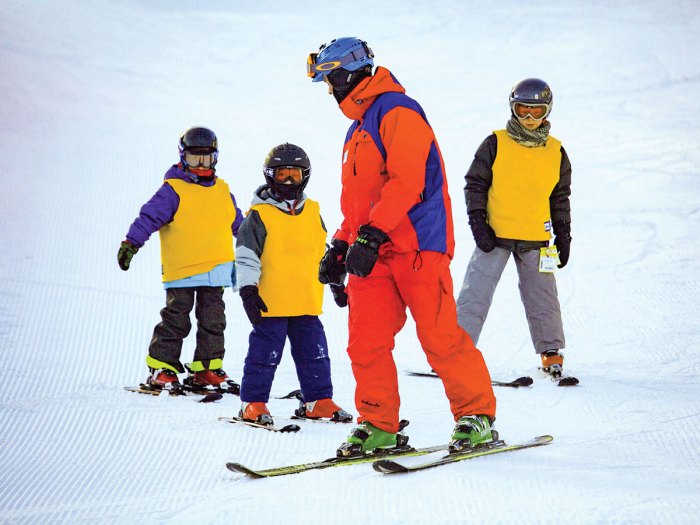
(271, 428)
(207, 397)
(229, 387)
(332, 462)
(321, 420)
(520, 381)
(559, 379)
(389, 466)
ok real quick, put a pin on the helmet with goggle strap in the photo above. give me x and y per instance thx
(287, 170)
(349, 53)
(199, 148)
(531, 96)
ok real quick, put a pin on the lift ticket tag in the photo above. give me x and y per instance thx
(549, 259)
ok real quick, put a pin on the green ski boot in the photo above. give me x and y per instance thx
(366, 439)
(472, 431)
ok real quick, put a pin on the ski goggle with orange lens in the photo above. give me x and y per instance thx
(313, 68)
(288, 173)
(536, 111)
(200, 159)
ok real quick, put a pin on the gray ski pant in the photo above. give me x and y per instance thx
(538, 292)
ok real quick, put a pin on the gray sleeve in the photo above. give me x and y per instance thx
(249, 247)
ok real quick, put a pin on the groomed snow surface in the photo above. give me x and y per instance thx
(93, 97)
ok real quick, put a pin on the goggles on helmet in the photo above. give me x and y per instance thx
(535, 111)
(284, 174)
(200, 157)
(313, 68)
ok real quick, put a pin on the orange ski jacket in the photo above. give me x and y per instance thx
(393, 174)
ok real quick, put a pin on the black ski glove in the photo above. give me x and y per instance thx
(126, 252)
(340, 296)
(331, 269)
(363, 253)
(253, 303)
(562, 241)
(484, 236)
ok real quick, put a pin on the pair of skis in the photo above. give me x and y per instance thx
(294, 394)
(387, 462)
(207, 396)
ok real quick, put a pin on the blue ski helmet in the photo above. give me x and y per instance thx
(532, 91)
(349, 53)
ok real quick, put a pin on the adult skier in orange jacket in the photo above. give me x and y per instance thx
(396, 242)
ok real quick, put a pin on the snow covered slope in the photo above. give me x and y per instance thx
(93, 96)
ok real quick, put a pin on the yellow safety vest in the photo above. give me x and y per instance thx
(523, 180)
(294, 246)
(199, 237)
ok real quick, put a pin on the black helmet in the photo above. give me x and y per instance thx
(287, 156)
(201, 143)
(532, 91)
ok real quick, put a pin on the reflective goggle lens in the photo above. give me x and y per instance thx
(310, 63)
(196, 159)
(536, 111)
(285, 174)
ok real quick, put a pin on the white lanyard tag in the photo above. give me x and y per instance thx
(549, 259)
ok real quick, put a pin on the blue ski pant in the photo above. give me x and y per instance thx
(309, 350)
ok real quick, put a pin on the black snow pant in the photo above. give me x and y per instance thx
(169, 334)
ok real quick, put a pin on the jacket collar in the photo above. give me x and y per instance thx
(365, 93)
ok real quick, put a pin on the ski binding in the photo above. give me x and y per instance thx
(271, 428)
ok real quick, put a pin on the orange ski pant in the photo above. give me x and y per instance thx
(421, 281)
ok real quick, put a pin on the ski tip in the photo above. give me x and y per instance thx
(240, 469)
(210, 398)
(387, 466)
(290, 428)
(294, 394)
(543, 440)
(568, 381)
(524, 381)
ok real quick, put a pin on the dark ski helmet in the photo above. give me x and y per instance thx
(531, 91)
(287, 170)
(201, 144)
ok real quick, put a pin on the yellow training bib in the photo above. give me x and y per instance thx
(523, 180)
(294, 246)
(199, 237)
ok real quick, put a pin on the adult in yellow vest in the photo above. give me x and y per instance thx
(196, 216)
(279, 246)
(517, 193)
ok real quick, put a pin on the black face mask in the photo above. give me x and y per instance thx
(343, 81)
(287, 192)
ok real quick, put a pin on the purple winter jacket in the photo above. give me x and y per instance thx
(160, 209)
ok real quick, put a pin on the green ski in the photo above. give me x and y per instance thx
(389, 466)
(332, 462)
